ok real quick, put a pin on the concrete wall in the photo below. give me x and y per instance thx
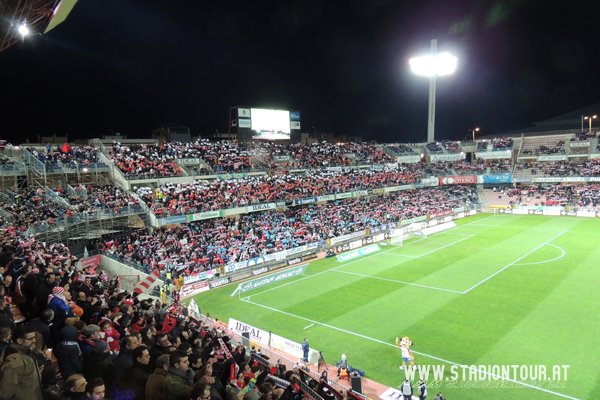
(113, 268)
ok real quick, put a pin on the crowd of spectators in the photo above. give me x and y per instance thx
(451, 147)
(440, 168)
(549, 147)
(400, 149)
(434, 147)
(551, 168)
(499, 165)
(207, 244)
(32, 208)
(65, 156)
(145, 160)
(580, 196)
(6, 161)
(463, 167)
(497, 144)
(201, 196)
(80, 337)
(583, 136)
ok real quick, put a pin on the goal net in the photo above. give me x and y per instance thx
(399, 236)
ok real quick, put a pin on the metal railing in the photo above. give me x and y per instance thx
(273, 356)
(6, 215)
(78, 191)
(35, 164)
(11, 151)
(55, 198)
(65, 222)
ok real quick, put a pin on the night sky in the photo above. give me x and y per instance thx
(127, 65)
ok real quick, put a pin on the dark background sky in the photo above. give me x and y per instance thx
(126, 65)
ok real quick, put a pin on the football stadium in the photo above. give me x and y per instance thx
(485, 268)
(272, 260)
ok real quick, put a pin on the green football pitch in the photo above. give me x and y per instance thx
(495, 291)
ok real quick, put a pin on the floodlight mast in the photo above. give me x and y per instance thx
(433, 66)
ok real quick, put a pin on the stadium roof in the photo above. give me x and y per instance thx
(570, 121)
(40, 16)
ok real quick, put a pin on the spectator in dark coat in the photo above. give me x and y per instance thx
(91, 333)
(42, 325)
(124, 360)
(154, 386)
(45, 290)
(138, 374)
(99, 365)
(86, 305)
(67, 352)
(162, 346)
(5, 334)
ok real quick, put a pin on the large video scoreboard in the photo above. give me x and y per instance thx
(263, 124)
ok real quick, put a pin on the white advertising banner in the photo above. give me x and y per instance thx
(378, 238)
(356, 244)
(552, 158)
(408, 159)
(494, 155)
(551, 212)
(447, 157)
(243, 112)
(256, 335)
(580, 144)
(586, 213)
(350, 236)
(260, 336)
(294, 348)
(259, 207)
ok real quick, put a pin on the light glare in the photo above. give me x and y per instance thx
(24, 30)
(442, 64)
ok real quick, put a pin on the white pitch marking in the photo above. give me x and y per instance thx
(514, 262)
(394, 346)
(520, 227)
(357, 260)
(547, 261)
(450, 244)
(306, 327)
(393, 280)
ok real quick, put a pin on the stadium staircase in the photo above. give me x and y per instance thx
(482, 198)
(593, 147)
(567, 145)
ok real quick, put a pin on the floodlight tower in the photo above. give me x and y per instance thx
(433, 65)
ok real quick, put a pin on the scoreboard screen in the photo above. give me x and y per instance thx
(270, 124)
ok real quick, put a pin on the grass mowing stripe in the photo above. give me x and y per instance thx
(516, 320)
(546, 261)
(405, 283)
(514, 262)
(416, 352)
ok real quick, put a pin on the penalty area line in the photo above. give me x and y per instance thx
(514, 262)
(394, 346)
(546, 261)
(395, 281)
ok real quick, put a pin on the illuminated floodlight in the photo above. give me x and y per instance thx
(434, 65)
(23, 30)
(85, 170)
